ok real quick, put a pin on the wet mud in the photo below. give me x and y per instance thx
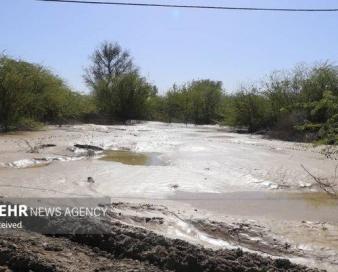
(208, 169)
(106, 245)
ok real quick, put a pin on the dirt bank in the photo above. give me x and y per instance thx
(105, 245)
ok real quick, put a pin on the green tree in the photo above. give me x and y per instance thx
(197, 101)
(251, 109)
(205, 100)
(120, 92)
(30, 94)
(108, 62)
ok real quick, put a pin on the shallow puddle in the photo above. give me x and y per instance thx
(279, 205)
(132, 158)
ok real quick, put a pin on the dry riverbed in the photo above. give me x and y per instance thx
(217, 190)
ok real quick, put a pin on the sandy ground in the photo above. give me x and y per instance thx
(208, 185)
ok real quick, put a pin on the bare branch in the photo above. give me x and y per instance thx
(324, 183)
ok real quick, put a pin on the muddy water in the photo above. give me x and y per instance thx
(317, 207)
(200, 160)
(132, 158)
(125, 157)
(306, 221)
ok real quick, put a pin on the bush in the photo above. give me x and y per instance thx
(300, 105)
(125, 97)
(30, 94)
(28, 124)
(198, 102)
(250, 109)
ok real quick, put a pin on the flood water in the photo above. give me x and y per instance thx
(201, 172)
(132, 158)
(318, 207)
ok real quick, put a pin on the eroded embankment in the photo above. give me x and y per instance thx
(58, 244)
(26, 251)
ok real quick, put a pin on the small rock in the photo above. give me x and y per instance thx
(90, 180)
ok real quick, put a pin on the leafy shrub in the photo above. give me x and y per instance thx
(31, 94)
(28, 124)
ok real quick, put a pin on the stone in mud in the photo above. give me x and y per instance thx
(89, 147)
(46, 146)
(90, 180)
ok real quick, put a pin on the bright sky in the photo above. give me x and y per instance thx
(172, 45)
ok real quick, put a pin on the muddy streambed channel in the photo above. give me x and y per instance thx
(315, 206)
(221, 189)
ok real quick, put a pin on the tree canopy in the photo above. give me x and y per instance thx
(119, 90)
(197, 101)
(108, 62)
(30, 93)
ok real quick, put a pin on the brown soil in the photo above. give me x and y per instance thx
(26, 251)
(105, 245)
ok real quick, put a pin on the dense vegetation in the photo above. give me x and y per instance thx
(31, 94)
(300, 105)
(197, 102)
(297, 105)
